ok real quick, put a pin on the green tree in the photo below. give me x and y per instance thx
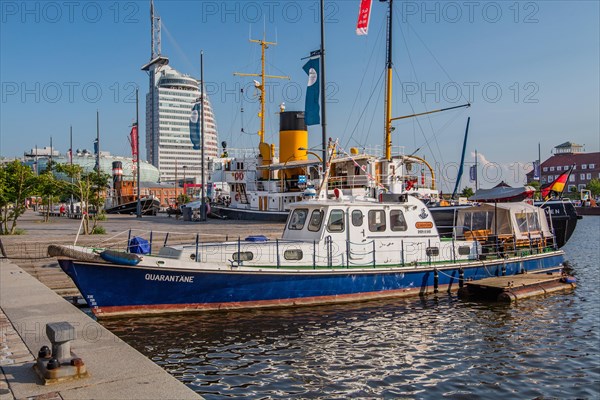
(17, 182)
(183, 199)
(594, 187)
(467, 192)
(88, 188)
(50, 189)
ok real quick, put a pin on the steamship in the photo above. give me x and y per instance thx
(123, 197)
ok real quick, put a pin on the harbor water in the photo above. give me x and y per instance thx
(423, 347)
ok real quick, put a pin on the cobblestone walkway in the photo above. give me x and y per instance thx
(12, 351)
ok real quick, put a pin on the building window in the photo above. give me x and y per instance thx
(551, 169)
(572, 178)
(545, 169)
(559, 168)
(566, 167)
(581, 176)
(550, 178)
(572, 188)
(589, 176)
(583, 166)
(592, 166)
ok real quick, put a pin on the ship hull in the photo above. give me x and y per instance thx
(149, 207)
(116, 290)
(250, 215)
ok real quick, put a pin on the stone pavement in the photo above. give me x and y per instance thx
(117, 371)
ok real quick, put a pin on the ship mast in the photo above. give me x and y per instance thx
(261, 87)
(388, 87)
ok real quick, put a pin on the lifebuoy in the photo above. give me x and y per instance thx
(236, 176)
(241, 175)
(237, 197)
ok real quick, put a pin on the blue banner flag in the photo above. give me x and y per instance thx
(536, 170)
(311, 106)
(473, 172)
(195, 126)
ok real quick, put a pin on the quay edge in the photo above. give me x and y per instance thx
(117, 370)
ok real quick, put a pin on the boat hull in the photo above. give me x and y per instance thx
(250, 215)
(115, 290)
(149, 207)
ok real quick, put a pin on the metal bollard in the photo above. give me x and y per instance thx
(61, 334)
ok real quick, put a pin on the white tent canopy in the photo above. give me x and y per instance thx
(519, 219)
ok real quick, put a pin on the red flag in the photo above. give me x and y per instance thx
(558, 185)
(134, 142)
(364, 15)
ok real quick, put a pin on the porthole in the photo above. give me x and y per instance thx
(293, 254)
(243, 256)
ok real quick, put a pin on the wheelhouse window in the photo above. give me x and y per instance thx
(377, 220)
(316, 219)
(297, 219)
(357, 218)
(397, 221)
(336, 221)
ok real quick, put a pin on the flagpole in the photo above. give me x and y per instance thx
(203, 201)
(71, 208)
(137, 150)
(323, 86)
(476, 182)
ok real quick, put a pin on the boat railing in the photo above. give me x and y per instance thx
(285, 253)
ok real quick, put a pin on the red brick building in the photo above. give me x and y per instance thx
(587, 166)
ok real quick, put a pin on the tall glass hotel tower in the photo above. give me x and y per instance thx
(169, 105)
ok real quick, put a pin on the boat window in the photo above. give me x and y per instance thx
(336, 221)
(532, 222)
(482, 220)
(357, 218)
(464, 250)
(316, 219)
(432, 251)
(243, 256)
(521, 221)
(295, 254)
(297, 219)
(397, 221)
(377, 220)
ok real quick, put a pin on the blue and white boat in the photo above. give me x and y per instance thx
(332, 250)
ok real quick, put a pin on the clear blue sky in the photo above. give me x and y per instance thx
(59, 63)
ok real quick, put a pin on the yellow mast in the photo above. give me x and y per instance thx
(261, 87)
(388, 108)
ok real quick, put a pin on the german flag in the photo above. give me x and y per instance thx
(558, 186)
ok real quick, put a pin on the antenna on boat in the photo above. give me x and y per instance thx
(263, 148)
